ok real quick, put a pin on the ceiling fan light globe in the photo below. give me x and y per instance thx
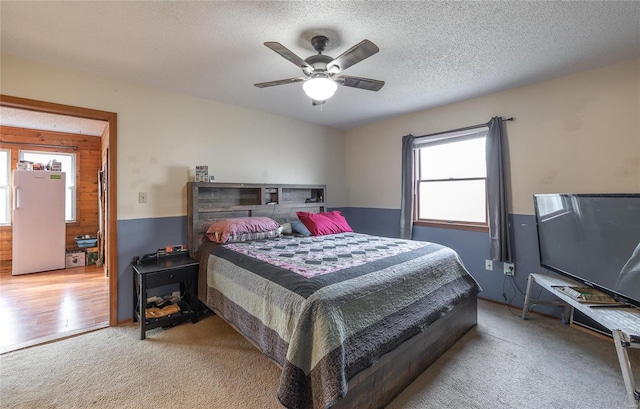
(319, 89)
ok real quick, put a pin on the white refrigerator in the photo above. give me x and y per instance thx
(39, 230)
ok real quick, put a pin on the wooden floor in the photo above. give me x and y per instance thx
(41, 307)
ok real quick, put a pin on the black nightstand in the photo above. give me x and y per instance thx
(182, 270)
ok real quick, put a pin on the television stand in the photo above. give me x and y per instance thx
(622, 321)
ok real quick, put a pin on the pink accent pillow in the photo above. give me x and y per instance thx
(320, 224)
(220, 232)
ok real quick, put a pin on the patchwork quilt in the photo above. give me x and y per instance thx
(325, 308)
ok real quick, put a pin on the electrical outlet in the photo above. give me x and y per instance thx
(509, 269)
(142, 197)
(488, 265)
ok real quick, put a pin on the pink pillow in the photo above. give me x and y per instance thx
(320, 224)
(220, 232)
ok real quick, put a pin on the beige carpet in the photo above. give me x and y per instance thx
(503, 363)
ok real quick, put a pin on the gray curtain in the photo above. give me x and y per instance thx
(406, 203)
(500, 246)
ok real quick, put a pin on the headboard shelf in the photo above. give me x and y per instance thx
(211, 202)
(214, 208)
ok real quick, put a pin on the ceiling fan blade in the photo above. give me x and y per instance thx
(353, 55)
(289, 55)
(359, 82)
(279, 82)
(315, 102)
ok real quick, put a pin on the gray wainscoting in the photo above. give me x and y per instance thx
(473, 248)
(140, 236)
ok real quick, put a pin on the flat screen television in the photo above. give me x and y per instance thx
(593, 239)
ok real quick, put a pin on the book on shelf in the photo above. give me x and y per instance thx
(587, 295)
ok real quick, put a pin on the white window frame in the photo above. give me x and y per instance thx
(5, 185)
(70, 196)
(443, 138)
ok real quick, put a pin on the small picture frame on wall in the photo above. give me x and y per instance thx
(212, 179)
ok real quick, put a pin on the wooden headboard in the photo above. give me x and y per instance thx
(211, 202)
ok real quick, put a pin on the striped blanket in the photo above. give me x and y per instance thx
(325, 308)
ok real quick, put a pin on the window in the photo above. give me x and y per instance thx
(5, 187)
(68, 161)
(451, 180)
(550, 205)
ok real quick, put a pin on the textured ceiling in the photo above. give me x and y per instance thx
(431, 53)
(22, 118)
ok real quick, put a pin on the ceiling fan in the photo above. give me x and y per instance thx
(321, 77)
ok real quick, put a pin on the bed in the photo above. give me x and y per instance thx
(351, 318)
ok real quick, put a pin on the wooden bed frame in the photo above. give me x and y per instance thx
(377, 386)
(211, 202)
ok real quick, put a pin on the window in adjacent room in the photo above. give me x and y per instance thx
(5, 187)
(68, 161)
(451, 180)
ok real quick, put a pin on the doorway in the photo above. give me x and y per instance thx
(40, 307)
(108, 182)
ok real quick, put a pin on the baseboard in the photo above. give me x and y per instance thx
(576, 325)
(591, 332)
(519, 307)
(126, 322)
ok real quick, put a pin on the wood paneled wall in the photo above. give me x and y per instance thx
(88, 162)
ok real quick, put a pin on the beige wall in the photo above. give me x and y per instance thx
(579, 133)
(163, 135)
